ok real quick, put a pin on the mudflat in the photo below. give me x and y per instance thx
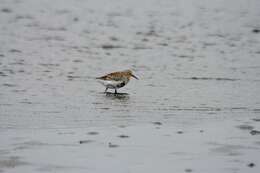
(196, 107)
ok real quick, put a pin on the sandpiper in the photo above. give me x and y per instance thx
(116, 80)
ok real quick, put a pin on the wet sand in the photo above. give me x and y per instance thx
(196, 107)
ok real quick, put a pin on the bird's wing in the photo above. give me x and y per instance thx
(111, 76)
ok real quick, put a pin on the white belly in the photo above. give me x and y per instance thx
(111, 84)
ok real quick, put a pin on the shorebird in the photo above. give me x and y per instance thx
(116, 80)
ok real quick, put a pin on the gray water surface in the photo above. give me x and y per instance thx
(199, 69)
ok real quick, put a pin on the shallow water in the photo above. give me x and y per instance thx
(199, 70)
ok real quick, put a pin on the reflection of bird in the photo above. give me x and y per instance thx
(116, 80)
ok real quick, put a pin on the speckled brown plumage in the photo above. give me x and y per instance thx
(116, 79)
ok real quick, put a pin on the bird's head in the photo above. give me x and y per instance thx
(130, 74)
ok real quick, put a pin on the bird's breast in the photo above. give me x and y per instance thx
(121, 84)
(112, 84)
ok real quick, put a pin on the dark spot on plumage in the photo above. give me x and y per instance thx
(121, 85)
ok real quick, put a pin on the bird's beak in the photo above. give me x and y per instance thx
(134, 76)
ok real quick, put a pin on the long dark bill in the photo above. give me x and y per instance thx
(134, 76)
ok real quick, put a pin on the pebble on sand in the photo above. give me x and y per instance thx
(180, 132)
(255, 132)
(123, 136)
(256, 30)
(256, 119)
(251, 165)
(85, 141)
(6, 10)
(110, 145)
(188, 170)
(245, 127)
(157, 123)
(93, 133)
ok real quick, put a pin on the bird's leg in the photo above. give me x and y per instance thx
(106, 89)
(115, 91)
